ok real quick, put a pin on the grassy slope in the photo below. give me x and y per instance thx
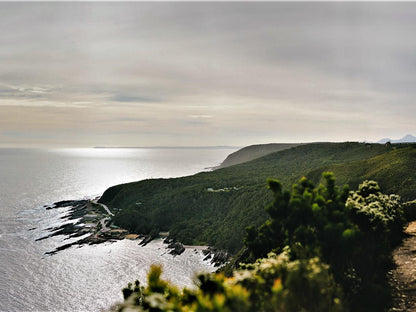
(395, 171)
(192, 214)
(254, 151)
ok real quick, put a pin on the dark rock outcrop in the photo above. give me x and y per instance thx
(218, 257)
(176, 248)
(147, 239)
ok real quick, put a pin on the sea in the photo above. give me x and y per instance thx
(86, 278)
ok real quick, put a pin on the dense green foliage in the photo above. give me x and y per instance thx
(309, 220)
(394, 171)
(305, 225)
(215, 207)
(269, 285)
(322, 222)
(409, 210)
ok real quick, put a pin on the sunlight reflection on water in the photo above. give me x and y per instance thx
(89, 278)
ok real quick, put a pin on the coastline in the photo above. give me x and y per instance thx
(91, 222)
(85, 219)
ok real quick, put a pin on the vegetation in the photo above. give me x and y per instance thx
(392, 170)
(193, 214)
(269, 285)
(339, 227)
(318, 236)
(409, 210)
(98, 208)
(254, 151)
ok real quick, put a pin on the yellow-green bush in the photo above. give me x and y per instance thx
(271, 284)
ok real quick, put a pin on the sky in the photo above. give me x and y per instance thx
(84, 74)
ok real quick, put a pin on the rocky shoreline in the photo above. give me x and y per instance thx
(91, 222)
(84, 218)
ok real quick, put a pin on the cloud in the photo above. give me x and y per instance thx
(233, 65)
(135, 99)
(201, 116)
(123, 119)
(26, 135)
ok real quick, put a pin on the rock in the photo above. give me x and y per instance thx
(177, 248)
(168, 240)
(114, 234)
(68, 203)
(221, 257)
(147, 239)
(218, 257)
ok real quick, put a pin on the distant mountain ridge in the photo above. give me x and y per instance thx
(406, 139)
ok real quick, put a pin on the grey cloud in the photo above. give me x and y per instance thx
(195, 123)
(142, 132)
(133, 98)
(16, 94)
(221, 57)
(26, 135)
(123, 119)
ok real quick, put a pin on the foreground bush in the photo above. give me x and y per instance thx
(409, 210)
(269, 285)
(353, 232)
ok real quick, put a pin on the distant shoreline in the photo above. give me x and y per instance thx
(170, 147)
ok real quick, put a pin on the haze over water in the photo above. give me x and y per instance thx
(89, 278)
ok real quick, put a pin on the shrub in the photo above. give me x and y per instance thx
(352, 232)
(269, 285)
(409, 210)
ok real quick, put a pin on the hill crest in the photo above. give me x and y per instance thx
(252, 152)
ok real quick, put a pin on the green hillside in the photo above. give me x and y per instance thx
(395, 172)
(254, 151)
(215, 207)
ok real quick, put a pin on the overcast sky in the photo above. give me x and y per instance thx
(193, 74)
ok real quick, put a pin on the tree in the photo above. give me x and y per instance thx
(352, 232)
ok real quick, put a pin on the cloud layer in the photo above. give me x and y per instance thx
(131, 74)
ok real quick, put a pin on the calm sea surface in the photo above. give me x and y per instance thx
(88, 278)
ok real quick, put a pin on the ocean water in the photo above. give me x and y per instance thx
(88, 278)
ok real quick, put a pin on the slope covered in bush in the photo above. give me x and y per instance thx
(354, 233)
(331, 250)
(394, 171)
(214, 207)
